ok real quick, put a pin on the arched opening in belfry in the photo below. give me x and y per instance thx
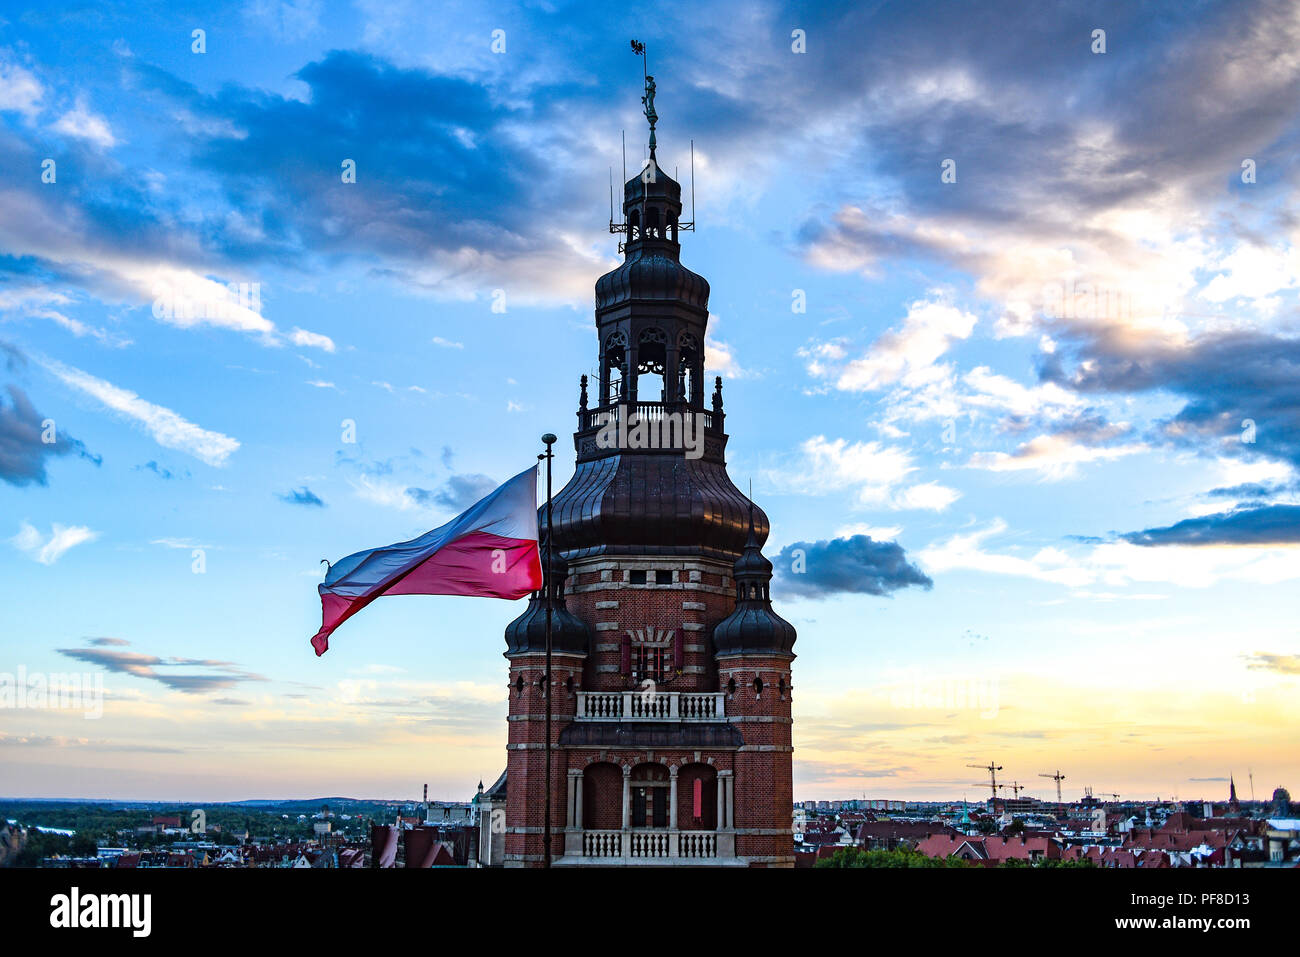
(672, 225)
(615, 362)
(652, 356)
(688, 368)
(634, 224)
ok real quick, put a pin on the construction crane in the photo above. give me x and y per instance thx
(1058, 777)
(1016, 788)
(1110, 794)
(993, 770)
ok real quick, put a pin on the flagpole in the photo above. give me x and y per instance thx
(549, 439)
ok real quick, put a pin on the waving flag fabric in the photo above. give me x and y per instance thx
(489, 551)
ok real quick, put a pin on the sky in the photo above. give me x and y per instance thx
(1005, 308)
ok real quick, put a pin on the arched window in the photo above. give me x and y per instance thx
(672, 225)
(731, 687)
(634, 224)
(758, 687)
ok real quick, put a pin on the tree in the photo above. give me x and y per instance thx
(83, 845)
(856, 857)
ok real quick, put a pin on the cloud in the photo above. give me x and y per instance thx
(165, 474)
(85, 125)
(301, 337)
(1057, 455)
(458, 493)
(49, 550)
(166, 427)
(289, 21)
(302, 496)
(908, 356)
(222, 675)
(965, 551)
(1114, 563)
(445, 199)
(446, 343)
(1240, 387)
(20, 91)
(23, 449)
(1265, 525)
(856, 565)
(877, 472)
(1281, 664)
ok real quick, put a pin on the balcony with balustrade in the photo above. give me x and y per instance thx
(683, 706)
(652, 833)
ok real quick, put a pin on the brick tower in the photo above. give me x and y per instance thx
(671, 672)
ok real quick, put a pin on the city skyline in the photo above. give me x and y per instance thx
(1026, 426)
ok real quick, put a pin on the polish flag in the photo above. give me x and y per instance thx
(489, 551)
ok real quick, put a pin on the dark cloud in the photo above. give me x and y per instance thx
(856, 565)
(991, 101)
(458, 493)
(442, 166)
(1264, 525)
(165, 474)
(140, 665)
(23, 453)
(1241, 388)
(1251, 490)
(13, 356)
(302, 496)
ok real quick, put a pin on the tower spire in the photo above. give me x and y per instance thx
(648, 100)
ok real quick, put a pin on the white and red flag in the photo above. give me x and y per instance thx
(489, 551)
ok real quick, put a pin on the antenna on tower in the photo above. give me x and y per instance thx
(692, 184)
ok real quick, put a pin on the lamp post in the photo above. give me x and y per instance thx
(548, 585)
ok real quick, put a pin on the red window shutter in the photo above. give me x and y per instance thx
(625, 665)
(699, 798)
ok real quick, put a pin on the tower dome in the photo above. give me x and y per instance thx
(527, 633)
(753, 627)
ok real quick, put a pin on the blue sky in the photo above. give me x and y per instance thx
(1060, 389)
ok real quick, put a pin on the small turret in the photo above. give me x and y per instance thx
(527, 633)
(753, 627)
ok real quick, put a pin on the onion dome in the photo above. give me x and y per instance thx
(527, 633)
(639, 504)
(652, 272)
(753, 628)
